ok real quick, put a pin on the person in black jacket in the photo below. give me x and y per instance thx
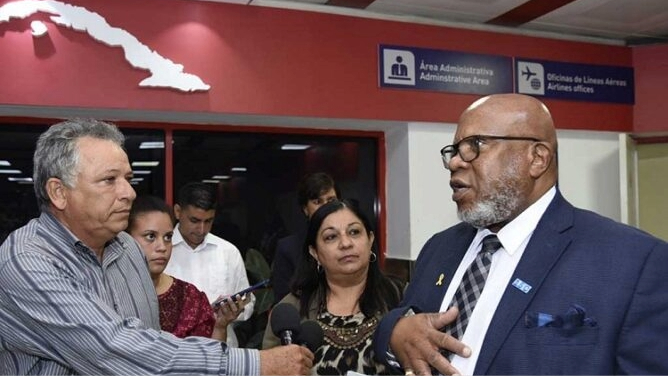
(313, 191)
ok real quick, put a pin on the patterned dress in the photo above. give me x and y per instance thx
(347, 345)
(185, 311)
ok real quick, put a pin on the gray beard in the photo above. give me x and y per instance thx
(492, 210)
(497, 207)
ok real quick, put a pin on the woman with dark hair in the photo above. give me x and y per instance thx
(340, 285)
(184, 310)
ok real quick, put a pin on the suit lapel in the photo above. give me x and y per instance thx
(547, 244)
(437, 272)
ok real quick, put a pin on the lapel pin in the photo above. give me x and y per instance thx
(440, 279)
(521, 285)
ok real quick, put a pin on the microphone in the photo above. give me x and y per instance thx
(310, 335)
(285, 322)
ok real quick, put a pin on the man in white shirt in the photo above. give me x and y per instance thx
(209, 262)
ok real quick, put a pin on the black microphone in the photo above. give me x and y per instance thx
(285, 322)
(310, 335)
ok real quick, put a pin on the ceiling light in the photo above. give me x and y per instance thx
(238, 169)
(5, 163)
(152, 145)
(9, 171)
(141, 172)
(20, 179)
(220, 177)
(295, 147)
(211, 181)
(145, 163)
(136, 179)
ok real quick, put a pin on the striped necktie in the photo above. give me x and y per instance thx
(471, 286)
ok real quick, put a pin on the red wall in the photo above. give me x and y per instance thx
(651, 81)
(268, 61)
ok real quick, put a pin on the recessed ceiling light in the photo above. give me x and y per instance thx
(20, 179)
(141, 172)
(5, 163)
(220, 177)
(238, 169)
(9, 171)
(295, 147)
(152, 145)
(137, 179)
(145, 163)
(211, 181)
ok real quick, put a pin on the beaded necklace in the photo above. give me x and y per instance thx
(346, 332)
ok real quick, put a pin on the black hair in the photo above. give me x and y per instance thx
(147, 204)
(380, 293)
(199, 195)
(314, 185)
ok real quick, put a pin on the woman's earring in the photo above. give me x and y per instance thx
(373, 257)
(319, 268)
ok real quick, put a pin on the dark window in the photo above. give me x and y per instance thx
(17, 196)
(256, 206)
(146, 147)
(259, 204)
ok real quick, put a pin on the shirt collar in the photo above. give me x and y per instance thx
(177, 239)
(58, 230)
(513, 234)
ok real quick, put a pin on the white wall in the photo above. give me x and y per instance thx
(419, 197)
(589, 171)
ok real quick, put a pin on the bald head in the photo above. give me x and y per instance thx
(506, 158)
(515, 114)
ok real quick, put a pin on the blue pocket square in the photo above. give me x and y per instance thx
(575, 317)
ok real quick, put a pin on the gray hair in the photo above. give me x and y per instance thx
(57, 154)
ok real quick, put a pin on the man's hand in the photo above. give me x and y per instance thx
(416, 341)
(286, 360)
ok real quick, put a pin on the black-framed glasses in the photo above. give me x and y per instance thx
(468, 148)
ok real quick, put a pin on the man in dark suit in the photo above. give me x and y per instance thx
(313, 191)
(568, 292)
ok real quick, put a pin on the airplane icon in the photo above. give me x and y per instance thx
(528, 73)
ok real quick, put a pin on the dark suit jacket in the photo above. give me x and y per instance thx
(286, 259)
(618, 274)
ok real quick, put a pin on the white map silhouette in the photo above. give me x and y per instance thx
(164, 72)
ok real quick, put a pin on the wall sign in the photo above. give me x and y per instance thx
(592, 83)
(439, 70)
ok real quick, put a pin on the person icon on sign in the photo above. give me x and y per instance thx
(399, 69)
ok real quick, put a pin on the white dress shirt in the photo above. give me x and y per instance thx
(215, 267)
(514, 237)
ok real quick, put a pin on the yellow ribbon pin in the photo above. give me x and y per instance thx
(440, 279)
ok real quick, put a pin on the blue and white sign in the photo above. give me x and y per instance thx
(450, 71)
(593, 83)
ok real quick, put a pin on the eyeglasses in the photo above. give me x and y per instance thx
(469, 148)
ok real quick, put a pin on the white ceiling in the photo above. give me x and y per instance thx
(625, 22)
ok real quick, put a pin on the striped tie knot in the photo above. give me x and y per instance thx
(490, 244)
